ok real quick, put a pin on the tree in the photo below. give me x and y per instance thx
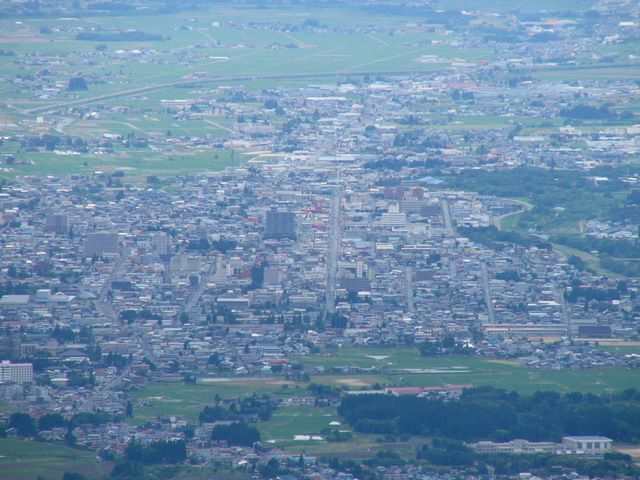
(237, 433)
(51, 420)
(23, 423)
(271, 469)
(77, 84)
(127, 470)
(73, 476)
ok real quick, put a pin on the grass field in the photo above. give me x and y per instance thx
(401, 366)
(134, 164)
(395, 368)
(290, 421)
(465, 370)
(620, 348)
(189, 400)
(21, 460)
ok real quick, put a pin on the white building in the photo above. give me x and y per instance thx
(15, 372)
(587, 445)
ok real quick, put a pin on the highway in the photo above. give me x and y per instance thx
(203, 81)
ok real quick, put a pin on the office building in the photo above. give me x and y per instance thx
(99, 243)
(280, 224)
(15, 372)
(58, 224)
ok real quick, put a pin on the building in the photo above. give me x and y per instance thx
(393, 217)
(162, 245)
(587, 445)
(15, 372)
(528, 330)
(99, 243)
(58, 224)
(280, 224)
(517, 446)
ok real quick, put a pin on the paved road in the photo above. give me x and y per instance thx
(200, 289)
(566, 315)
(104, 305)
(487, 292)
(332, 255)
(409, 285)
(448, 221)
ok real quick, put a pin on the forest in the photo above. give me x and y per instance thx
(487, 413)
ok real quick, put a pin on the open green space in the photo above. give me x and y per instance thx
(591, 260)
(21, 459)
(135, 164)
(405, 366)
(168, 399)
(296, 420)
(620, 349)
(394, 367)
(390, 367)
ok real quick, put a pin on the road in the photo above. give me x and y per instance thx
(200, 289)
(566, 315)
(487, 292)
(104, 305)
(409, 284)
(214, 79)
(496, 221)
(332, 255)
(448, 221)
(453, 270)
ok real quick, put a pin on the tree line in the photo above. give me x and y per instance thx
(487, 413)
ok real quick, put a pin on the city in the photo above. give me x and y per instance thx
(240, 274)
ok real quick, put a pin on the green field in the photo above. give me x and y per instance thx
(402, 366)
(27, 460)
(394, 370)
(290, 421)
(471, 370)
(391, 364)
(134, 164)
(165, 399)
(621, 349)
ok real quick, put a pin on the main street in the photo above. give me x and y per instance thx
(332, 254)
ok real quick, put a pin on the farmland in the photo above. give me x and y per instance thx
(188, 54)
(20, 459)
(399, 366)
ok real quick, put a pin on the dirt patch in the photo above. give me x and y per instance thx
(511, 363)
(632, 450)
(352, 382)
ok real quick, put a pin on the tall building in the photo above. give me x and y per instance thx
(15, 372)
(280, 224)
(162, 245)
(58, 224)
(99, 243)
